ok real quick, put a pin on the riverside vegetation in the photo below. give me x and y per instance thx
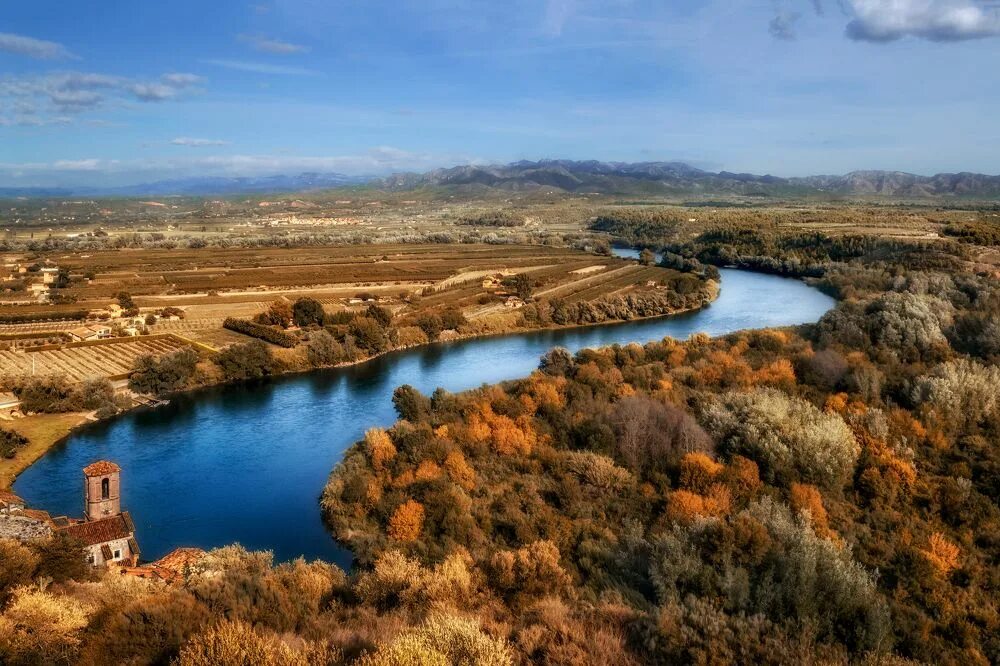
(824, 494)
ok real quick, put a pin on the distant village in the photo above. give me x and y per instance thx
(106, 534)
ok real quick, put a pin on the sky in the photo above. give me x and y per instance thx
(113, 92)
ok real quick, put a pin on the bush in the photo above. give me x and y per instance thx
(443, 640)
(261, 332)
(164, 374)
(308, 311)
(10, 442)
(251, 360)
(278, 313)
(235, 643)
(788, 437)
(369, 335)
(323, 350)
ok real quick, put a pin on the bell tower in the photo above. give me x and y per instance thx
(102, 490)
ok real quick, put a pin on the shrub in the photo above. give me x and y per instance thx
(598, 471)
(653, 436)
(251, 360)
(278, 313)
(322, 349)
(369, 335)
(410, 403)
(10, 442)
(443, 640)
(164, 374)
(235, 643)
(308, 311)
(261, 332)
(379, 448)
(38, 627)
(788, 437)
(407, 521)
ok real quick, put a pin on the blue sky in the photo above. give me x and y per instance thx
(114, 92)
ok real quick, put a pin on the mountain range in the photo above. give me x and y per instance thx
(679, 178)
(581, 177)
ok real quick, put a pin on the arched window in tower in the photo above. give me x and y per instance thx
(105, 488)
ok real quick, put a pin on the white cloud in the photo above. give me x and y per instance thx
(40, 99)
(274, 46)
(31, 47)
(77, 165)
(262, 68)
(196, 143)
(936, 20)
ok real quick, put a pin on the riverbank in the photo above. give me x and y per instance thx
(44, 431)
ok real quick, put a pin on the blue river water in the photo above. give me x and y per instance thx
(247, 463)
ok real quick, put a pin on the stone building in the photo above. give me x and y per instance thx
(106, 531)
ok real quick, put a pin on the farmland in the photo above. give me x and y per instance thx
(108, 358)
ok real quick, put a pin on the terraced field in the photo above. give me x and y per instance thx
(111, 358)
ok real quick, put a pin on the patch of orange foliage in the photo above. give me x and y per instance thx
(804, 497)
(460, 471)
(427, 470)
(684, 506)
(743, 476)
(779, 373)
(380, 448)
(407, 521)
(698, 471)
(942, 554)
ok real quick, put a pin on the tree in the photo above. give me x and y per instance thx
(125, 300)
(431, 324)
(164, 374)
(382, 316)
(10, 442)
(647, 257)
(307, 311)
(407, 521)
(323, 350)
(250, 360)
(410, 403)
(369, 335)
(278, 313)
(521, 285)
(452, 318)
(789, 437)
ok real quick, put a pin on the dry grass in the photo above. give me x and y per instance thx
(42, 431)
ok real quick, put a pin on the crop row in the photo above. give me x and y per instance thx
(78, 363)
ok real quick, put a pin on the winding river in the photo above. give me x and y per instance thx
(247, 463)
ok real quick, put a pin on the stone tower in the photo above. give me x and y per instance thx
(102, 489)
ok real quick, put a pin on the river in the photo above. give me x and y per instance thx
(247, 463)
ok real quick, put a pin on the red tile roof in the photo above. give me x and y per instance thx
(7, 497)
(100, 468)
(101, 531)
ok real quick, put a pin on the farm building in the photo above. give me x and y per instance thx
(92, 332)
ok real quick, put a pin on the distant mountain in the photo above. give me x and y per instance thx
(678, 178)
(198, 186)
(237, 185)
(581, 177)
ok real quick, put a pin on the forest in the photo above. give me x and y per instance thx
(822, 494)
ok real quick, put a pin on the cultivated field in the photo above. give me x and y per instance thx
(108, 358)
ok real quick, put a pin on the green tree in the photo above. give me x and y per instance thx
(307, 311)
(410, 403)
(383, 316)
(251, 360)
